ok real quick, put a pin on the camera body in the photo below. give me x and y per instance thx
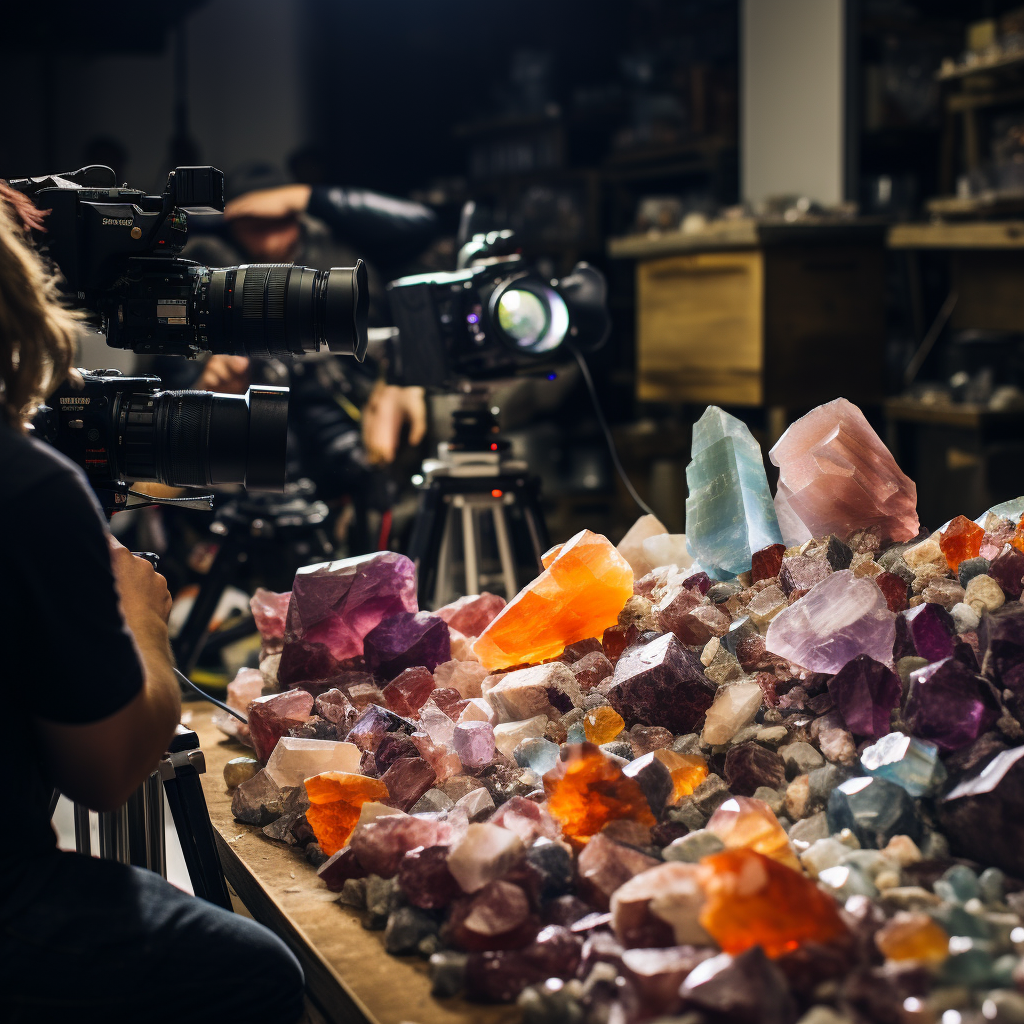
(496, 319)
(121, 429)
(117, 249)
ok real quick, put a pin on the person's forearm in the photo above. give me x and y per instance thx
(162, 692)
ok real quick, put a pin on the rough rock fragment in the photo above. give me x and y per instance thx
(295, 760)
(472, 614)
(550, 690)
(865, 693)
(746, 823)
(272, 716)
(335, 800)
(950, 705)
(749, 766)
(661, 683)
(660, 907)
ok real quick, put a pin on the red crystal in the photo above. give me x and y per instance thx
(272, 716)
(767, 563)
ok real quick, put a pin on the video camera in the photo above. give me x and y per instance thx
(493, 318)
(117, 249)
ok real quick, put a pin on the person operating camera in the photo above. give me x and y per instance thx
(90, 705)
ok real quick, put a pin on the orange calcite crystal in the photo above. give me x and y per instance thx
(335, 800)
(688, 771)
(589, 790)
(913, 936)
(578, 596)
(603, 724)
(961, 540)
(745, 823)
(1018, 536)
(753, 900)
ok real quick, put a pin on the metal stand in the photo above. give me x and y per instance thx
(474, 493)
(283, 530)
(134, 833)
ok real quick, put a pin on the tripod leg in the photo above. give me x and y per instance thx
(188, 644)
(135, 814)
(114, 835)
(198, 846)
(508, 565)
(156, 851)
(83, 830)
(469, 550)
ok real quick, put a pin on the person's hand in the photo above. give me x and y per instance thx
(387, 411)
(229, 374)
(284, 201)
(142, 590)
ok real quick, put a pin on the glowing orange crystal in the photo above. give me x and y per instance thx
(912, 936)
(578, 596)
(688, 771)
(1018, 536)
(335, 799)
(961, 540)
(745, 823)
(602, 724)
(590, 791)
(755, 901)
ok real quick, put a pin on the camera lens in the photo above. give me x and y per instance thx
(203, 439)
(531, 317)
(270, 309)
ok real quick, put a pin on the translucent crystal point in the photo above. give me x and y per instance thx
(911, 763)
(836, 476)
(729, 511)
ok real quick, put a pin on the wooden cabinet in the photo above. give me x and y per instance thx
(790, 318)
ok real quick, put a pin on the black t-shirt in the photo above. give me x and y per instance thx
(66, 654)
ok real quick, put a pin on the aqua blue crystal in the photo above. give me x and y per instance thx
(969, 964)
(537, 753)
(993, 885)
(729, 511)
(875, 810)
(958, 885)
(1012, 509)
(911, 763)
(575, 733)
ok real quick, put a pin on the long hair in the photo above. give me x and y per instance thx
(37, 334)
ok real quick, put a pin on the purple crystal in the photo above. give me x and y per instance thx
(407, 780)
(748, 766)
(865, 692)
(407, 640)
(1001, 638)
(335, 604)
(392, 746)
(337, 870)
(373, 723)
(950, 705)
(661, 683)
(474, 743)
(272, 716)
(334, 706)
(409, 691)
(380, 845)
(839, 618)
(591, 669)
(927, 631)
(983, 816)
(699, 581)
(424, 877)
(500, 975)
(801, 573)
(747, 989)
(1007, 569)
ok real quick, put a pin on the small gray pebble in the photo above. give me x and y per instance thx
(692, 847)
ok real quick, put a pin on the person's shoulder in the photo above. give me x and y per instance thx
(29, 466)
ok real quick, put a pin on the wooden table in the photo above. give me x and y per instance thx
(348, 974)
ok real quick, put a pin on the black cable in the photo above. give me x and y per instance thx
(182, 678)
(607, 433)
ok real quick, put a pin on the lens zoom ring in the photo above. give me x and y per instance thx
(275, 324)
(186, 441)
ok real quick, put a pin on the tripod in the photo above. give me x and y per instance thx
(134, 833)
(278, 533)
(472, 493)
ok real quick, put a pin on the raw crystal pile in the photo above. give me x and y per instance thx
(644, 794)
(729, 511)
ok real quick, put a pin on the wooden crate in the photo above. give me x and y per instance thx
(779, 325)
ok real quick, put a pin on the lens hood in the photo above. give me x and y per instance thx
(346, 304)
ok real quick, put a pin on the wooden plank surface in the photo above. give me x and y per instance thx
(347, 971)
(966, 235)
